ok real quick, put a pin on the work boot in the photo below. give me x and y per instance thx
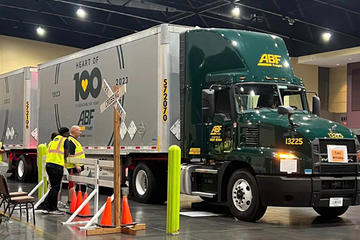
(62, 205)
(56, 212)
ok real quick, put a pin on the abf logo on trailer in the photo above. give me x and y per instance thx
(86, 84)
(269, 60)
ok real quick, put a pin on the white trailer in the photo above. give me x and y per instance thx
(148, 63)
(18, 120)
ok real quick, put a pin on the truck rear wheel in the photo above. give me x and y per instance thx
(145, 186)
(243, 196)
(23, 169)
(330, 212)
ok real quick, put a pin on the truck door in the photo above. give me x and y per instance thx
(220, 131)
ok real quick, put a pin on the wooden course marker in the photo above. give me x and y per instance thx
(117, 183)
(117, 168)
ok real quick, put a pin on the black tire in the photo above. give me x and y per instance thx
(24, 169)
(145, 186)
(244, 203)
(330, 212)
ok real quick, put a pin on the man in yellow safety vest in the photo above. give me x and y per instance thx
(58, 151)
(76, 151)
(2, 150)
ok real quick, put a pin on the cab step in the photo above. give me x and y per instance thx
(206, 170)
(203, 194)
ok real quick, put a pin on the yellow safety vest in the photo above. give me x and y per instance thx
(56, 151)
(0, 152)
(79, 153)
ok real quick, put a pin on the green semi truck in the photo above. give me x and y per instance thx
(229, 98)
(249, 135)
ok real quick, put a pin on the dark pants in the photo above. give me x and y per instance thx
(55, 173)
(73, 171)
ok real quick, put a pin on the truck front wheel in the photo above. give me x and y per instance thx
(330, 212)
(23, 169)
(243, 196)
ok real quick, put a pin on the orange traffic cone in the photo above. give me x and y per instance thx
(79, 200)
(126, 218)
(73, 203)
(85, 212)
(106, 218)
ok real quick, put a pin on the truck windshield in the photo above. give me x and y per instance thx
(257, 96)
(294, 97)
(249, 96)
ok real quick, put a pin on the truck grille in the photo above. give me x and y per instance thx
(252, 136)
(320, 157)
(342, 169)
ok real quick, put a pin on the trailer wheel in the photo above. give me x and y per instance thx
(330, 212)
(244, 197)
(23, 169)
(144, 185)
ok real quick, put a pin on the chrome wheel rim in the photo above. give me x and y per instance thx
(21, 169)
(141, 182)
(242, 195)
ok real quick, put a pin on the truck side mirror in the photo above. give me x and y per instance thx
(316, 105)
(208, 103)
(285, 110)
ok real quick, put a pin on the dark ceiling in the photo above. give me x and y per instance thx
(299, 22)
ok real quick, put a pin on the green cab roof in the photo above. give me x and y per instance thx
(264, 57)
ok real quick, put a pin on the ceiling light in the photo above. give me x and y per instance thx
(81, 13)
(349, 59)
(337, 64)
(326, 36)
(236, 12)
(40, 31)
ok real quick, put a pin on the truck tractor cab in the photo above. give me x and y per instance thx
(249, 138)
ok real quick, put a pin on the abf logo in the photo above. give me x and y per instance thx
(270, 60)
(216, 130)
(86, 84)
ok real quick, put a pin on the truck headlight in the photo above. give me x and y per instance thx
(287, 156)
(288, 162)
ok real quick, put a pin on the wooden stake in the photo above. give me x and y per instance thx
(117, 168)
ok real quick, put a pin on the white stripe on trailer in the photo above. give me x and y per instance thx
(14, 145)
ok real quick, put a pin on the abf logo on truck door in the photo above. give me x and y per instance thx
(86, 84)
(269, 60)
